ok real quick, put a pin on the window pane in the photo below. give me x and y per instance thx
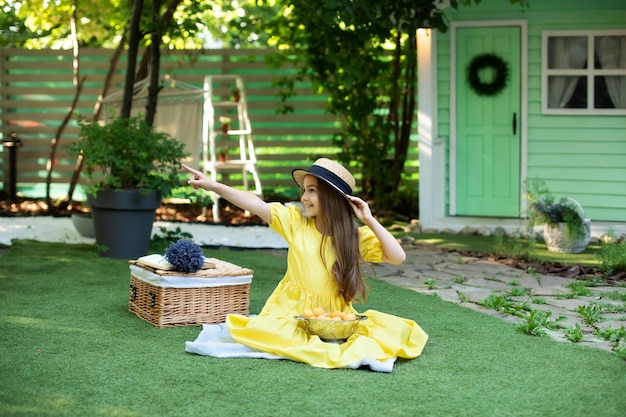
(610, 92)
(567, 52)
(610, 52)
(567, 92)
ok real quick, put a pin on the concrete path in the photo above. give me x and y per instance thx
(455, 278)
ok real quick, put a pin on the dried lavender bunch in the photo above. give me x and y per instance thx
(185, 255)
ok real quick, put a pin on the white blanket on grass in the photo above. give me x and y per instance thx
(215, 340)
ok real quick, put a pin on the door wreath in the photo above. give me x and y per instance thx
(500, 68)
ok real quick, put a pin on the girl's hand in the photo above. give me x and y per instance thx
(198, 179)
(392, 250)
(361, 209)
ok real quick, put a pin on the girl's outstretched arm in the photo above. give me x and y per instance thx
(242, 199)
(393, 252)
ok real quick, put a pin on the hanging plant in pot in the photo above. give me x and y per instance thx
(566, 229)
(131, 167)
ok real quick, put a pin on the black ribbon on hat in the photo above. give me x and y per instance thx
(331, 178)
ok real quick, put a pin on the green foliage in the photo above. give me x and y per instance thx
(363, 55)
(543, 209)
(518, 292)
(128, 154)
(39, 25)
(537, 321)
(505, 304)
(573, 333)
(15, 32)
(160, 242)
(514, 248)
(612, 255)
(430, 284)
(615, 295)
(617, 338)
(580, 288)
(591, 314)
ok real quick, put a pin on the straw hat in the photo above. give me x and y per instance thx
(330, 172)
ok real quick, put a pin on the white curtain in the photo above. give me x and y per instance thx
(611, 51)
(564, 52)
(182, 119)
(179, 113)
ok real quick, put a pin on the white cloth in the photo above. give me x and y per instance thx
(215, 340)
(174, 281)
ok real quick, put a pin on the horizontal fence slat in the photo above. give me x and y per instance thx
(36, 87)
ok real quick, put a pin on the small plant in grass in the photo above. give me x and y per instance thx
(504, 304)
(494, 278)
(462, 297)
(513, 248)
(459, 279)
(430, 284)
(580, 288)
(615, 295)
(574, 333)
(609, 308)
(591, 314)
(621, 353)
(615, 336)
(539, 301)
(518, 292)
(513, 283)
(533, 326)
(613, 255)
(537, 321)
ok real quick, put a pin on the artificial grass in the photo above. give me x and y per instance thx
(71, 348)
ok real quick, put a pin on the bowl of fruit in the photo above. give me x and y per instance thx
(333, 327)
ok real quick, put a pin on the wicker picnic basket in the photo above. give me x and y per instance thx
(170, 298)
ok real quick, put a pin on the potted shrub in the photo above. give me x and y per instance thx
(235, 94)
(130, 167)
(225, 123)
(566, 229)
(222, 154)
(83, 223)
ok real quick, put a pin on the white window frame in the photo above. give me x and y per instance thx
(589, 72)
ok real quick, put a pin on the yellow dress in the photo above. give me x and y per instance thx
(307, 284)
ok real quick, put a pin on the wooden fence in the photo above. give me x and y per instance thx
(36, 91)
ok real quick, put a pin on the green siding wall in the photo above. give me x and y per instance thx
(583, 157)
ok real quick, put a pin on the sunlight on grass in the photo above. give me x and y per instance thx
(43, 324)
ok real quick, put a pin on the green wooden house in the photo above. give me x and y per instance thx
(512, 93)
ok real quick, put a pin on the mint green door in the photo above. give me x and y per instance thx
(488, 127)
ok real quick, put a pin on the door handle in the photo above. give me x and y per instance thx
(514, 123)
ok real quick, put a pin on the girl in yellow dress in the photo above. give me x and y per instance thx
(326, 248)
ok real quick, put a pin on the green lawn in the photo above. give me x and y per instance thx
(71, 348)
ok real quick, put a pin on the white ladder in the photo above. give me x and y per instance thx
(218, 103)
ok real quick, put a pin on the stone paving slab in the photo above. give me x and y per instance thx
(468, 281)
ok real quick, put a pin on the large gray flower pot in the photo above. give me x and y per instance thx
(123, 222)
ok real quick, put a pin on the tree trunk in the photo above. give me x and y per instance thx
(133, 46)
(155, 59)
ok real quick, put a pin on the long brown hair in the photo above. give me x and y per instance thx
(338, 222)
